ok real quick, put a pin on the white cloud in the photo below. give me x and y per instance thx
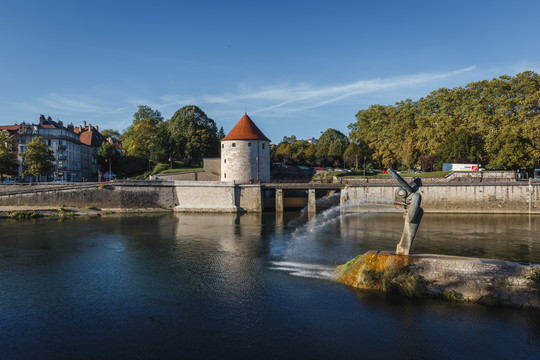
(285, 98)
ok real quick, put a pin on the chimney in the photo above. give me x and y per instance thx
(60, 122)
(41, 119)
(97, 128)
(84, 124)
(49, 118)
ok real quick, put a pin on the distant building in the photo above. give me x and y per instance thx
(91, 140)
(312, 141)
(245, 154)
(74, 149)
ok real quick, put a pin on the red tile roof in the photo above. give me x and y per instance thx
(245, 129)
(91, 137)
(9, 127)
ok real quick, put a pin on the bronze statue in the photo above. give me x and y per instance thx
(413, 211)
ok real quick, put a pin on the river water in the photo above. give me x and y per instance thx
(250, 286)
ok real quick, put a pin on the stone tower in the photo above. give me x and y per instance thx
(245, 154)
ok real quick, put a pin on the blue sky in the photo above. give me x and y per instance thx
(296, 67)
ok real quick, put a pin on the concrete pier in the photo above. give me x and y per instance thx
(279, 200)
(312, 205)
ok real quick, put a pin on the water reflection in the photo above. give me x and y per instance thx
(245, 286)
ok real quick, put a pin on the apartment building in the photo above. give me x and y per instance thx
(74, 148)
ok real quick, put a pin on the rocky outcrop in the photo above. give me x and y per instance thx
(458, 278)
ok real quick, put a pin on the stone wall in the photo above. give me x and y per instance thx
(202, 175)
(122, 195)
(202, 196)
(248, 198)
(213, 166)
(521, 198)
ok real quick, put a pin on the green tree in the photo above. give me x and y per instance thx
(110, 133)
(336, 150)
(8, 161)
(136, 138)
(352, 156)
(510, 152)
(329, 136)
(194, 133)
(200, 144)
(493, 119)
(459, 146)
(311, 155)
(107, 153)
(163, 148)
(221, 133)
(38, 159)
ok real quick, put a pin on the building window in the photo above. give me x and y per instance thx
(233, 144)
(263, 145)
(224, 161)
(222, 146)
(224, 175)
(249, 144)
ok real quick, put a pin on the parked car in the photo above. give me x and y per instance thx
(10, 181)
(303, 167)
(109, 177)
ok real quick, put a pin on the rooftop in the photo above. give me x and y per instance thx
(245, 129)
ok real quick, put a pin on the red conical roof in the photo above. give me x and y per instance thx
(245, 130)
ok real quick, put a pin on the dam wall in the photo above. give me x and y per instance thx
(220, 196)
(516, 198)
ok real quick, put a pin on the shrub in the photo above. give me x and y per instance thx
(488, 299)
(159, 168)
(452, 295)
(22, 214)
(533, 279)
(403, 282)
(410, 284)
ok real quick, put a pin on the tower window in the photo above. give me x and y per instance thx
(263, 145)
(224, 161)
(224, 175)
(249, 144)
(222, 146)
(233, 144)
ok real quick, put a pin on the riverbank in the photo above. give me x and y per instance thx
(485, 281)
(68, 211)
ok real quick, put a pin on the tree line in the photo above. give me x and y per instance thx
(495, 123)
(333, 148)
(189, 135)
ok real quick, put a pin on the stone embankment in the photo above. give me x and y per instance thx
(117, 196)
(492, 282)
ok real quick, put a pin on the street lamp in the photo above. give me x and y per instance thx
(109, 161)
(364, 166)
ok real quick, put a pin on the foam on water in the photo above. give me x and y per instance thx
(303, 250)
(306, 270)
